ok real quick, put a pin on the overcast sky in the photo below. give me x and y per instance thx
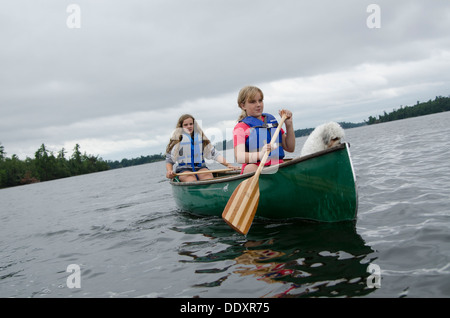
(114, 76)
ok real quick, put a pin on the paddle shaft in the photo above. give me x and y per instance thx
(204, 171)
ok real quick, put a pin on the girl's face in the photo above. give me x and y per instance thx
(188, 125)
(254, 106)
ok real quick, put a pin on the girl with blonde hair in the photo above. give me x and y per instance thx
(253, 132)
(188, 147)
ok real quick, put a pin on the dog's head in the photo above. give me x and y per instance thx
(332, 134)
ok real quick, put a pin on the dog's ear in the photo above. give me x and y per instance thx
(326, 137)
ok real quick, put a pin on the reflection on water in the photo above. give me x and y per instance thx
(306, 259)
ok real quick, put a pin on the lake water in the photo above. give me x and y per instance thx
(123, 231)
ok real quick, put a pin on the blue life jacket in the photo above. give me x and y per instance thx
(261, 133)
(191, 152)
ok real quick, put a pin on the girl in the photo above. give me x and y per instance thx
(253, 133)
(188, 147)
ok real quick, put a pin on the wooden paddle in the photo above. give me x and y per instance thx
(204, 171)
(241, 207)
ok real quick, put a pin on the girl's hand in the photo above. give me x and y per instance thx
(170, 174)
(288, 114)
(230, 166)
(267, 148)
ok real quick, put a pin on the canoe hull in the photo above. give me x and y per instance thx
(319, 187)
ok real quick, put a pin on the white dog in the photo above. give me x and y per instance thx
(323, 137)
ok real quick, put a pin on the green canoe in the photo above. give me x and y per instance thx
(319, 187)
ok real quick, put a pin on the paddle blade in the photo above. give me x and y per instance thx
(241, 207)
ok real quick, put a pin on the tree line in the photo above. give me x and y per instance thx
(135, 161)
(439, 104)
(46, 166)
(343, 124)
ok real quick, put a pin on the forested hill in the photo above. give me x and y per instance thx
(46, 166)
(345, 125)
(135, 161)
(438, 105)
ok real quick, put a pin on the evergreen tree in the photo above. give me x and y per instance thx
(2, 152)
(75, 162)
(2, 167)
(45, 164)
(62, 165)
